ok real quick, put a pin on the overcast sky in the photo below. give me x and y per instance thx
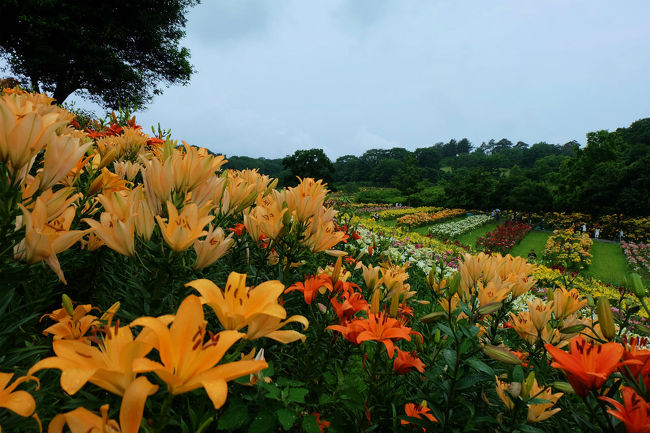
(274, 76)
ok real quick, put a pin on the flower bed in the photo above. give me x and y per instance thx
(638, 257)
(425, 218)
(569, 249)
(400, 211)
(504, 237)
(457, 228)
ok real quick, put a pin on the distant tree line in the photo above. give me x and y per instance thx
(610, 175)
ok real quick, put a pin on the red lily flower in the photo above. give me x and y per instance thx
(407, 361)
(418, 411)
(587, 366)
(634, 412)
(238, 229)
(310, 287)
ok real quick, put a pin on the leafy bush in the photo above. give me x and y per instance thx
(569, 249)
(380, 195)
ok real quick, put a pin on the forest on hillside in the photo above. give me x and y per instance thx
(609, 175)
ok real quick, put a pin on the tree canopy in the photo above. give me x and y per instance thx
(116, 51)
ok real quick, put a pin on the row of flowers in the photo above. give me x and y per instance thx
(390, 214)
(635, 229)
(504, 237)
(637, 256)
(456, 228)
(426, 218)
(569, 249)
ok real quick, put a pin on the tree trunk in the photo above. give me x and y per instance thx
(61, 93)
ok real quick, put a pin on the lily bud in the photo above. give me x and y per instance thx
(605, 318)
(643, 329)
(433, 317)
(454, 284)
(436, 336)
(374, 302)
(394, 305)
(564, 387)
(590, 301)
(66, 302)
(501, 354)
(573, 329)
(635, 283)
(489, 308)
(514, 389)
(336, 271)
(528, 384)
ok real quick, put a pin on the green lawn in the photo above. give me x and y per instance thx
(470, 238)
(608, 263)
(534, 240)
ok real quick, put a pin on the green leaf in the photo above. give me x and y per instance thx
(297, 395)
(450, 357)
(518, 374)
(529, 429)
(309, 424)
(263, 422)
(234, 416)
(284, 381)
(479, 365)
(287, 418)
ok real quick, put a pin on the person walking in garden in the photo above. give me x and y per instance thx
(597, 233)
(376, 216)
(584, 228)
(620, 236)
(532, 256)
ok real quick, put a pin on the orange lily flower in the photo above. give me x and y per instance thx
(385, 329)
(322, 423)
(82, 420)
(634, 412)
(236, 306)
(71, 327)
(187, 363)
(109, 366)
(406, 361)
(418, 411)
(540, 313)
(351, 304)
(349, 330)
(587, 366)
(19, 402)
(182, 230)
(311, 287)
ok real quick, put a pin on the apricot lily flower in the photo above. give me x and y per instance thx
(82, 420)
(269, 326)
(237, 305)
(182, 230)
(212, 248)
(186, 362)
(108, 366)
(19, 402)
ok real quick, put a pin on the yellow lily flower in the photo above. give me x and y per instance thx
(371, 275)
(109, 366)
(182, 230)
(236, 306)
(212, 248)
(187, 363)
(540, 312)
(82, 420)
(19, 402)
(306, 199)
(157, 177)
(46, 237)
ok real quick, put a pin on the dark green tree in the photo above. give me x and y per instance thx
(307, 163)
(115, 51)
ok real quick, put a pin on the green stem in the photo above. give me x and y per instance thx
(205, 425)
(164, 416)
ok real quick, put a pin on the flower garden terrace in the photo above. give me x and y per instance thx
(177, 295)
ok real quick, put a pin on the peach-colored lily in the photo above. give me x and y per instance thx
(82, 420)
(186, 361)
(182, 230)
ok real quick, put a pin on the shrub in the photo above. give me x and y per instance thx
(569, 249)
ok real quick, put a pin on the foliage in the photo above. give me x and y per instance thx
(401, 211)
(115, 51)
(307, 163)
